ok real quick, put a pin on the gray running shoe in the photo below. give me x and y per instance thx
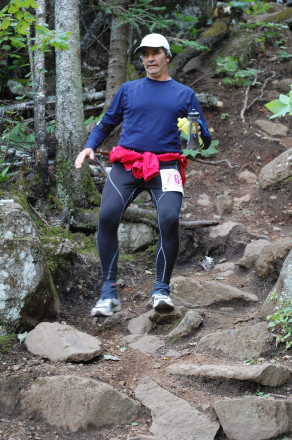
(106, 307)
(162, 302)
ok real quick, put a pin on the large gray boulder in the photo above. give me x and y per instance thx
(27, 292)
(277, 170)
(60, 342)
(254, 418)
(135, 236)
(240, 343)
(252, 252)
(281, 291)
(75, 403)
(271, 258)
(195, 293)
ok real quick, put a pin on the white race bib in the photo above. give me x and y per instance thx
(171, 180)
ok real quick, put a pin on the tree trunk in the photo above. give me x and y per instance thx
(39, 98)
(117, 65)
(74, 188)
(209, 38)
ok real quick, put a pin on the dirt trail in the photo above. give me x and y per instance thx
(262, 215)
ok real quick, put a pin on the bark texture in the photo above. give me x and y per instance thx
(74, 188)
(39, 98)
(117, 65)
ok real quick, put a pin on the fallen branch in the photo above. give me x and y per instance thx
(208, 99)
(262, 90)
(263, 135)
(198, 224)
(210, 38)
(149, 217)
(139, 215)
(246, 98)
(247, 107)
(208, 75)
(86, 97)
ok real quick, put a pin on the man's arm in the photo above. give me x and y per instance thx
(110, 120)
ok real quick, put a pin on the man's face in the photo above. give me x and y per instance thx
(155, 62)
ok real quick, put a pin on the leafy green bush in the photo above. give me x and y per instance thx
(281, 319)
(251, 6)
(204, 153)
(229, 67)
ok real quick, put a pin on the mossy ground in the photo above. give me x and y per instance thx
(7, 342)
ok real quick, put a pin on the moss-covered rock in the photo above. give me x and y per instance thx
(27, 292)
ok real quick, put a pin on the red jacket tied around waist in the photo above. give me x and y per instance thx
(146, 165)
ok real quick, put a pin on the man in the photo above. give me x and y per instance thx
(149, 158)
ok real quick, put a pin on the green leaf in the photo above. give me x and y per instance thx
(176, 48)
(89, 120)
(190, 153)
(5, 23)
(284, 99)
(211, 150)
(42, 30)
(278, 108)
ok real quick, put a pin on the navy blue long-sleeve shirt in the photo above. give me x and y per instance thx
(148, 110)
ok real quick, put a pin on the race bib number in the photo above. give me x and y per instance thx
(171, 180)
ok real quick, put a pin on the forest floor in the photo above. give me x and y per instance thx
(267, 213)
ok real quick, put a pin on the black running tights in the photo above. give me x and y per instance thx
(120, 189)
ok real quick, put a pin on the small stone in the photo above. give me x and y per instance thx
(16, 367)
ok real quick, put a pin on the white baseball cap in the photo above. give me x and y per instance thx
(155, 40)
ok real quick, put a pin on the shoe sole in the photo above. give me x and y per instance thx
(100, 313)
(97, 312)
(162, 305)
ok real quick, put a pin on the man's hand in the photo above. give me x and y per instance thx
(199, 130)
(87, 152)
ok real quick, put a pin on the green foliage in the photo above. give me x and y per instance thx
(226, 65)
(224, 116)
(146, 15)
(93, 119)
(141, 14)
(251, 6)
(177, 44)
(229, 67)
(252, 361)
(269, 33)
(17, 133)
(16, 25)
(281, 320)
(4, 176)
(204, 153)
(285, 54)
(281, 106)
